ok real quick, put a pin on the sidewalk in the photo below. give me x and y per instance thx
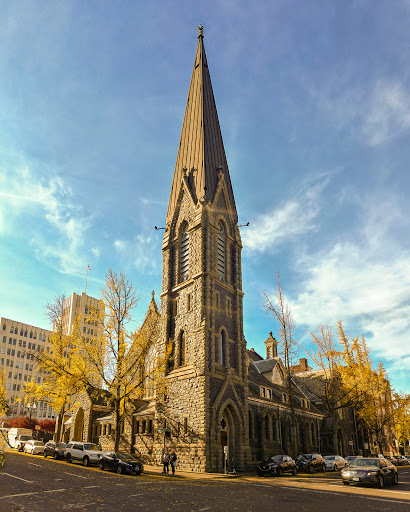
(192, 475)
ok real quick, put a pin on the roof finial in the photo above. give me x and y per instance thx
(200, 31)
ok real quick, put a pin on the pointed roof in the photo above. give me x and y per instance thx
(201, 151)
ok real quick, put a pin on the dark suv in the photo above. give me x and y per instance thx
(310, 462)
(277, 465)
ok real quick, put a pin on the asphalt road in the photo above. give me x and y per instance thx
(34, 484)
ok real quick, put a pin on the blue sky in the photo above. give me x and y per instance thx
(314, 104)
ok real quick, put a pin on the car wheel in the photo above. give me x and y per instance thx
(280, 472)
(138, 472)
(68, 458)
(45, 455)
(55, 456)
(395, 479)
(119, 469)
(311, 469)
(380, 482)
(86, 461)
(324, 468)
(101, 465)
(345, 483)
(334, 467)
(294, 471)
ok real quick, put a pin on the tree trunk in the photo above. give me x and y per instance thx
(117, 425)
(60, 422)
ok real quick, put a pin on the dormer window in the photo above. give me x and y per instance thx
(221, 252)
(285, 398)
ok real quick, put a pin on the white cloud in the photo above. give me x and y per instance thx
(365, 282)
(285, 221)
(142, 252)
(57, 225)
(375, 113)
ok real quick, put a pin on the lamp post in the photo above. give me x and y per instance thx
(31, 407)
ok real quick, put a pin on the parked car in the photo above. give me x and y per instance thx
(310, 462)
(350, 458)
(88, 453)
(402, 461)
(277, 465)
(393, 460)
(34, 447)
(55, 450)
(370, 471)
(20, 442)
(120, 462)
(334, 462)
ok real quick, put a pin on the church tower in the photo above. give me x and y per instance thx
(201, 301)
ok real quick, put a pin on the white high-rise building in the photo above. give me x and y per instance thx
(18, 340)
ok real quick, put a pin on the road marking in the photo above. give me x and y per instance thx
(78, 476)
(90, 486)
(389, 500)
(132, 495)
(32, 463)
(13, 476)
(202, 509)
(31, 493)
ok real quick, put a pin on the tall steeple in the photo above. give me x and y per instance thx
(201, 153)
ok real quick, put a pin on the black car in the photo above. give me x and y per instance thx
(310, 462)
(370, 470)
(277, 465)
(55, 450)
(120, 462)
(402, 461)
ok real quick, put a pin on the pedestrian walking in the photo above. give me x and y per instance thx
(173, 460)
(165, 461)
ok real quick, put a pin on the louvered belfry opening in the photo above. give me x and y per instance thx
(184, 254)
(221, 252)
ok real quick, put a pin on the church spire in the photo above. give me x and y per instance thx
(201, 154)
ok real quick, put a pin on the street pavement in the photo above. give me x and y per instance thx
(33, 484)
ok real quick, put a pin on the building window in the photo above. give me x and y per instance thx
(185, 426)
(221, 252)
(222, 348)
(184, 254)
(182, 348)
(217, 301)
(188, 302)
(263, 391)
(150, 426)
(228, 306)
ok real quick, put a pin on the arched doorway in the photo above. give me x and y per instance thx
(229, 439)
(79, 425)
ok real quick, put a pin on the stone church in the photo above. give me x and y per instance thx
(221, 398)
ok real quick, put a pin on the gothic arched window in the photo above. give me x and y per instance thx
(222, 348)
(184, 254)
(221, 252)
(182, 348)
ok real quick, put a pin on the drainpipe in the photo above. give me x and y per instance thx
(280, 431)
(318, 435)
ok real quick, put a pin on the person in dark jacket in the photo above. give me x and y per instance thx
(173, 459)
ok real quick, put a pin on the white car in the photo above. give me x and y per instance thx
(87, 453)
(335, 462)
(34, 447)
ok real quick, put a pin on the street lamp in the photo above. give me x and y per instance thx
(31, 408)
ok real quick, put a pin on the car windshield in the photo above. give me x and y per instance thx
(304, 457)
(330, 457)
(274, 458)
(121, 455)
(91, 446)
(61, 445)
(366, 462)
(38, 443)
(25, 438)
